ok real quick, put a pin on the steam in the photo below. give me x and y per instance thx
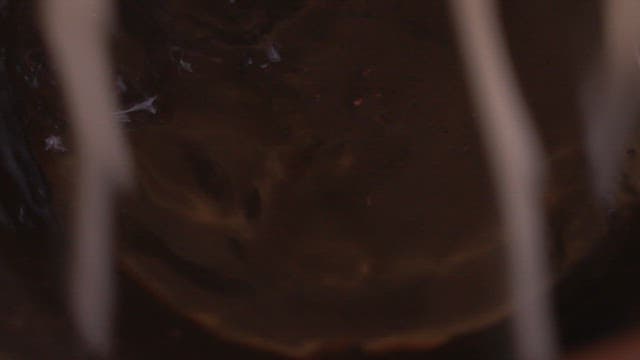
(516, 158)
(76, 32)
(609, 100)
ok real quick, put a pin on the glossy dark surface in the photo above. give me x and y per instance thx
(366, 103)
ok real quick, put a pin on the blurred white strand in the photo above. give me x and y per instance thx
(516, 159)
(146, 105)
(77, 33)
(609, 101)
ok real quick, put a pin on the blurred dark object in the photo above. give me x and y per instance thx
(167, 43)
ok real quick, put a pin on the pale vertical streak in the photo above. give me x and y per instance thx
(610, 99)
(516, 158)
(77, 35)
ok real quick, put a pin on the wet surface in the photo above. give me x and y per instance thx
(310, 171)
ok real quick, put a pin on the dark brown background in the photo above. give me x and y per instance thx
(551, 44)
